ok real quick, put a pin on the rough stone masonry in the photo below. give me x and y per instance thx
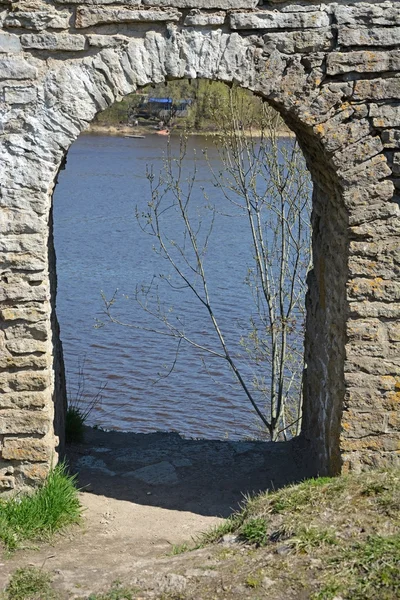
(332, 69)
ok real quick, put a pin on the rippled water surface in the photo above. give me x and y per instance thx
(100, 247)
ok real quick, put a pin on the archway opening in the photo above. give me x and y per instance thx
(253, 312)
(320, 411)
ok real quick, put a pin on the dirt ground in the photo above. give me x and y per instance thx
(145, 493)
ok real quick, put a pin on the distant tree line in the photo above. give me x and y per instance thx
(209, 100)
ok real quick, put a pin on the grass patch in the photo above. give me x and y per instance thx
(117, 592)
(366, 571)
(30, 583)
(50, 508)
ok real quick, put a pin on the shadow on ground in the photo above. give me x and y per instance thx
(207, 477)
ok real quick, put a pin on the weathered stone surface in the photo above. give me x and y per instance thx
(391, 138)
(24, 381)
(299, 41)
(31, 449)
(19, 94)
(385, 115)
(26, 400)
(366, 14)
(9, 43)
(23, 346)
(51, 41)
(100, 2)
(362, 61)
(378, 36)
(377, 89)
(204, 4)
(198, 19)
(39, 20)
(277, 20)
(23, 421)
(86, 17)
(16, 68)
(106, 41)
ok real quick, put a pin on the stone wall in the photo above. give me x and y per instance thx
(333, 72)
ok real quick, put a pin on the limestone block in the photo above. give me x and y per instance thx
(278, 20)
(358, 424)
(34, 331)
(204, 4)
(53, 41)
(385, 115)
(106, 41)
(100, 2)
(373, 214)
(7, 482)
(26, 346)
(359, 152)
(362, 61)
(396, 164)
(19, 95)
(9, 43)
(388, 442)
(198, 19)
(31, 449)
(24, 400)
(39, 20)
(291, 42)
(340, 131)
(370, 194)
(394, 335)
(86, 17)
(367, 14)
(33, 312)
(374, 169)
(24, 421)
(15, 222)
(366, 330)
(374, 289)
(391, 138)
(16, 68)
(24, 381)
(375, 36)
(377, 89)
(375, 309)
(23, 292)
(36, 472)
(24, 361)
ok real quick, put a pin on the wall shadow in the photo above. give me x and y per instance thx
(207, 477)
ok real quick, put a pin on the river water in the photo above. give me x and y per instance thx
(101, 248)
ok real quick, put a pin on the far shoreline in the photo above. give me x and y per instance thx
(139, 130)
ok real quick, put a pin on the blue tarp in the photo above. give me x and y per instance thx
(160, 100)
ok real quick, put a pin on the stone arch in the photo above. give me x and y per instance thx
(53, 85)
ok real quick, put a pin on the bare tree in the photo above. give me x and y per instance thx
(264, 177)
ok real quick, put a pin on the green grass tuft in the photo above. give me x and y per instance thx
(30, 583)
(50, 508)
(255, 531)
(74, 425)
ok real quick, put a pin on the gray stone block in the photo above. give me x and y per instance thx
(87, 17)
(16, 68)
(54, 41)
(9, 43)
(277, 20)
(39, 20)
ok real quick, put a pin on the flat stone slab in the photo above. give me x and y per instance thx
(162, 473)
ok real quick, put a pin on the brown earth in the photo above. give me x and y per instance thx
(145, 493)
